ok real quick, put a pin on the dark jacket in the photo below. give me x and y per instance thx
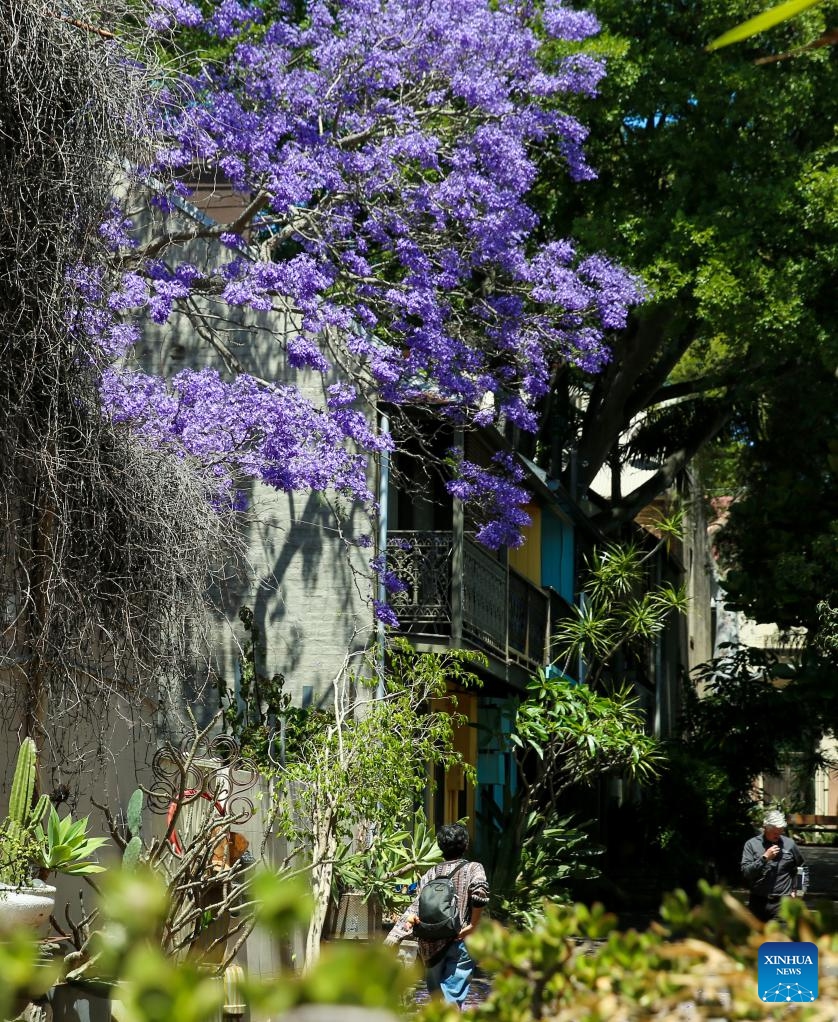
(775, 878)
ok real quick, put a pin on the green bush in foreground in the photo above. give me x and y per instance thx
(127, 960)
(702, 964)
(574, 966)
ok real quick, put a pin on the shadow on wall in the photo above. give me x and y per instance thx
(307, 588)
(306, 585)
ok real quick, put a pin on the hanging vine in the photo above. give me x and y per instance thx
(107, 546)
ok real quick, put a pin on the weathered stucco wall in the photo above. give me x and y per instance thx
(302, 573)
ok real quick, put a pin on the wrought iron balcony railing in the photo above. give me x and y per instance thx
(502, 612)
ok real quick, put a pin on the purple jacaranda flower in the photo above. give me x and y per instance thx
(116, 228)
(385, 614)
(387, 151)
(170, 13)
(496, 496)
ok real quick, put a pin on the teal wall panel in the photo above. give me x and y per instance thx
(557, 555)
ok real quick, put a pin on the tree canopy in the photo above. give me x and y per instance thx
(716, 183)
(779, 547)
(384, 163)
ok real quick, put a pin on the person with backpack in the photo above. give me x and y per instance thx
(446, 909)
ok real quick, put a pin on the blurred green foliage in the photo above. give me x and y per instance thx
(23, 974)
(573, 965)
(153, 987)
(576, 966)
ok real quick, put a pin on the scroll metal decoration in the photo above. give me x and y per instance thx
(210, 768)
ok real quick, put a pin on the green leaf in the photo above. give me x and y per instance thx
(65, 847)
(762, 22)
(53, 827)
(82, 869)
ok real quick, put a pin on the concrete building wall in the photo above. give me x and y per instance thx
(302, 571)
(306, 588)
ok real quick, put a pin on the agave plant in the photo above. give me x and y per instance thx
(64, 846)
(390, 865)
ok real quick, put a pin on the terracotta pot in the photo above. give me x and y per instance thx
(25, 907)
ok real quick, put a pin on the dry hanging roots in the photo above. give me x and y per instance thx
(108, 546)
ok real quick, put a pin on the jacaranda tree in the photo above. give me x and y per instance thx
(380, 156)
(383, 152)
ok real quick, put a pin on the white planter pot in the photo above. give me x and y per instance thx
(25, 907)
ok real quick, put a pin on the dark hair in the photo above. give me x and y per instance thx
(452, 840)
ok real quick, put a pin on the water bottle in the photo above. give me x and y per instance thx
(802, 884)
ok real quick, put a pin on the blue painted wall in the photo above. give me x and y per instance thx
(557, 554)
(496, 770)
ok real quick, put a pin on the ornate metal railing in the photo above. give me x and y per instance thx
(529, 619)
(484, 598)
(502, 612)
(422, 562)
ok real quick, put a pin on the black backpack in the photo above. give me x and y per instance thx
(439, 909)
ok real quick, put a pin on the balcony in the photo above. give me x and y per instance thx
(485, 604)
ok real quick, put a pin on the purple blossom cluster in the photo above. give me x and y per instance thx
(116, 228)
(393, 142)
(385, 613)
(391, 582)
(496, 496)
(242, 428)
(562, 22)
(386, 149)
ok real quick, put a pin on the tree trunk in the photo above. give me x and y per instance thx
(323, 858)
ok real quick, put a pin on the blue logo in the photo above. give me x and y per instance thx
(788, 972)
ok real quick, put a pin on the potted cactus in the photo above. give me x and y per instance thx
(33, 840)
(23, 901)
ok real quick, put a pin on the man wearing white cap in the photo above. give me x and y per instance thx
(769, 865)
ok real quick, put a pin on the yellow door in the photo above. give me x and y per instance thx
(526, 559)
(458, 794)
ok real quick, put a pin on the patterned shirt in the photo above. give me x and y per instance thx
(472, 889)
